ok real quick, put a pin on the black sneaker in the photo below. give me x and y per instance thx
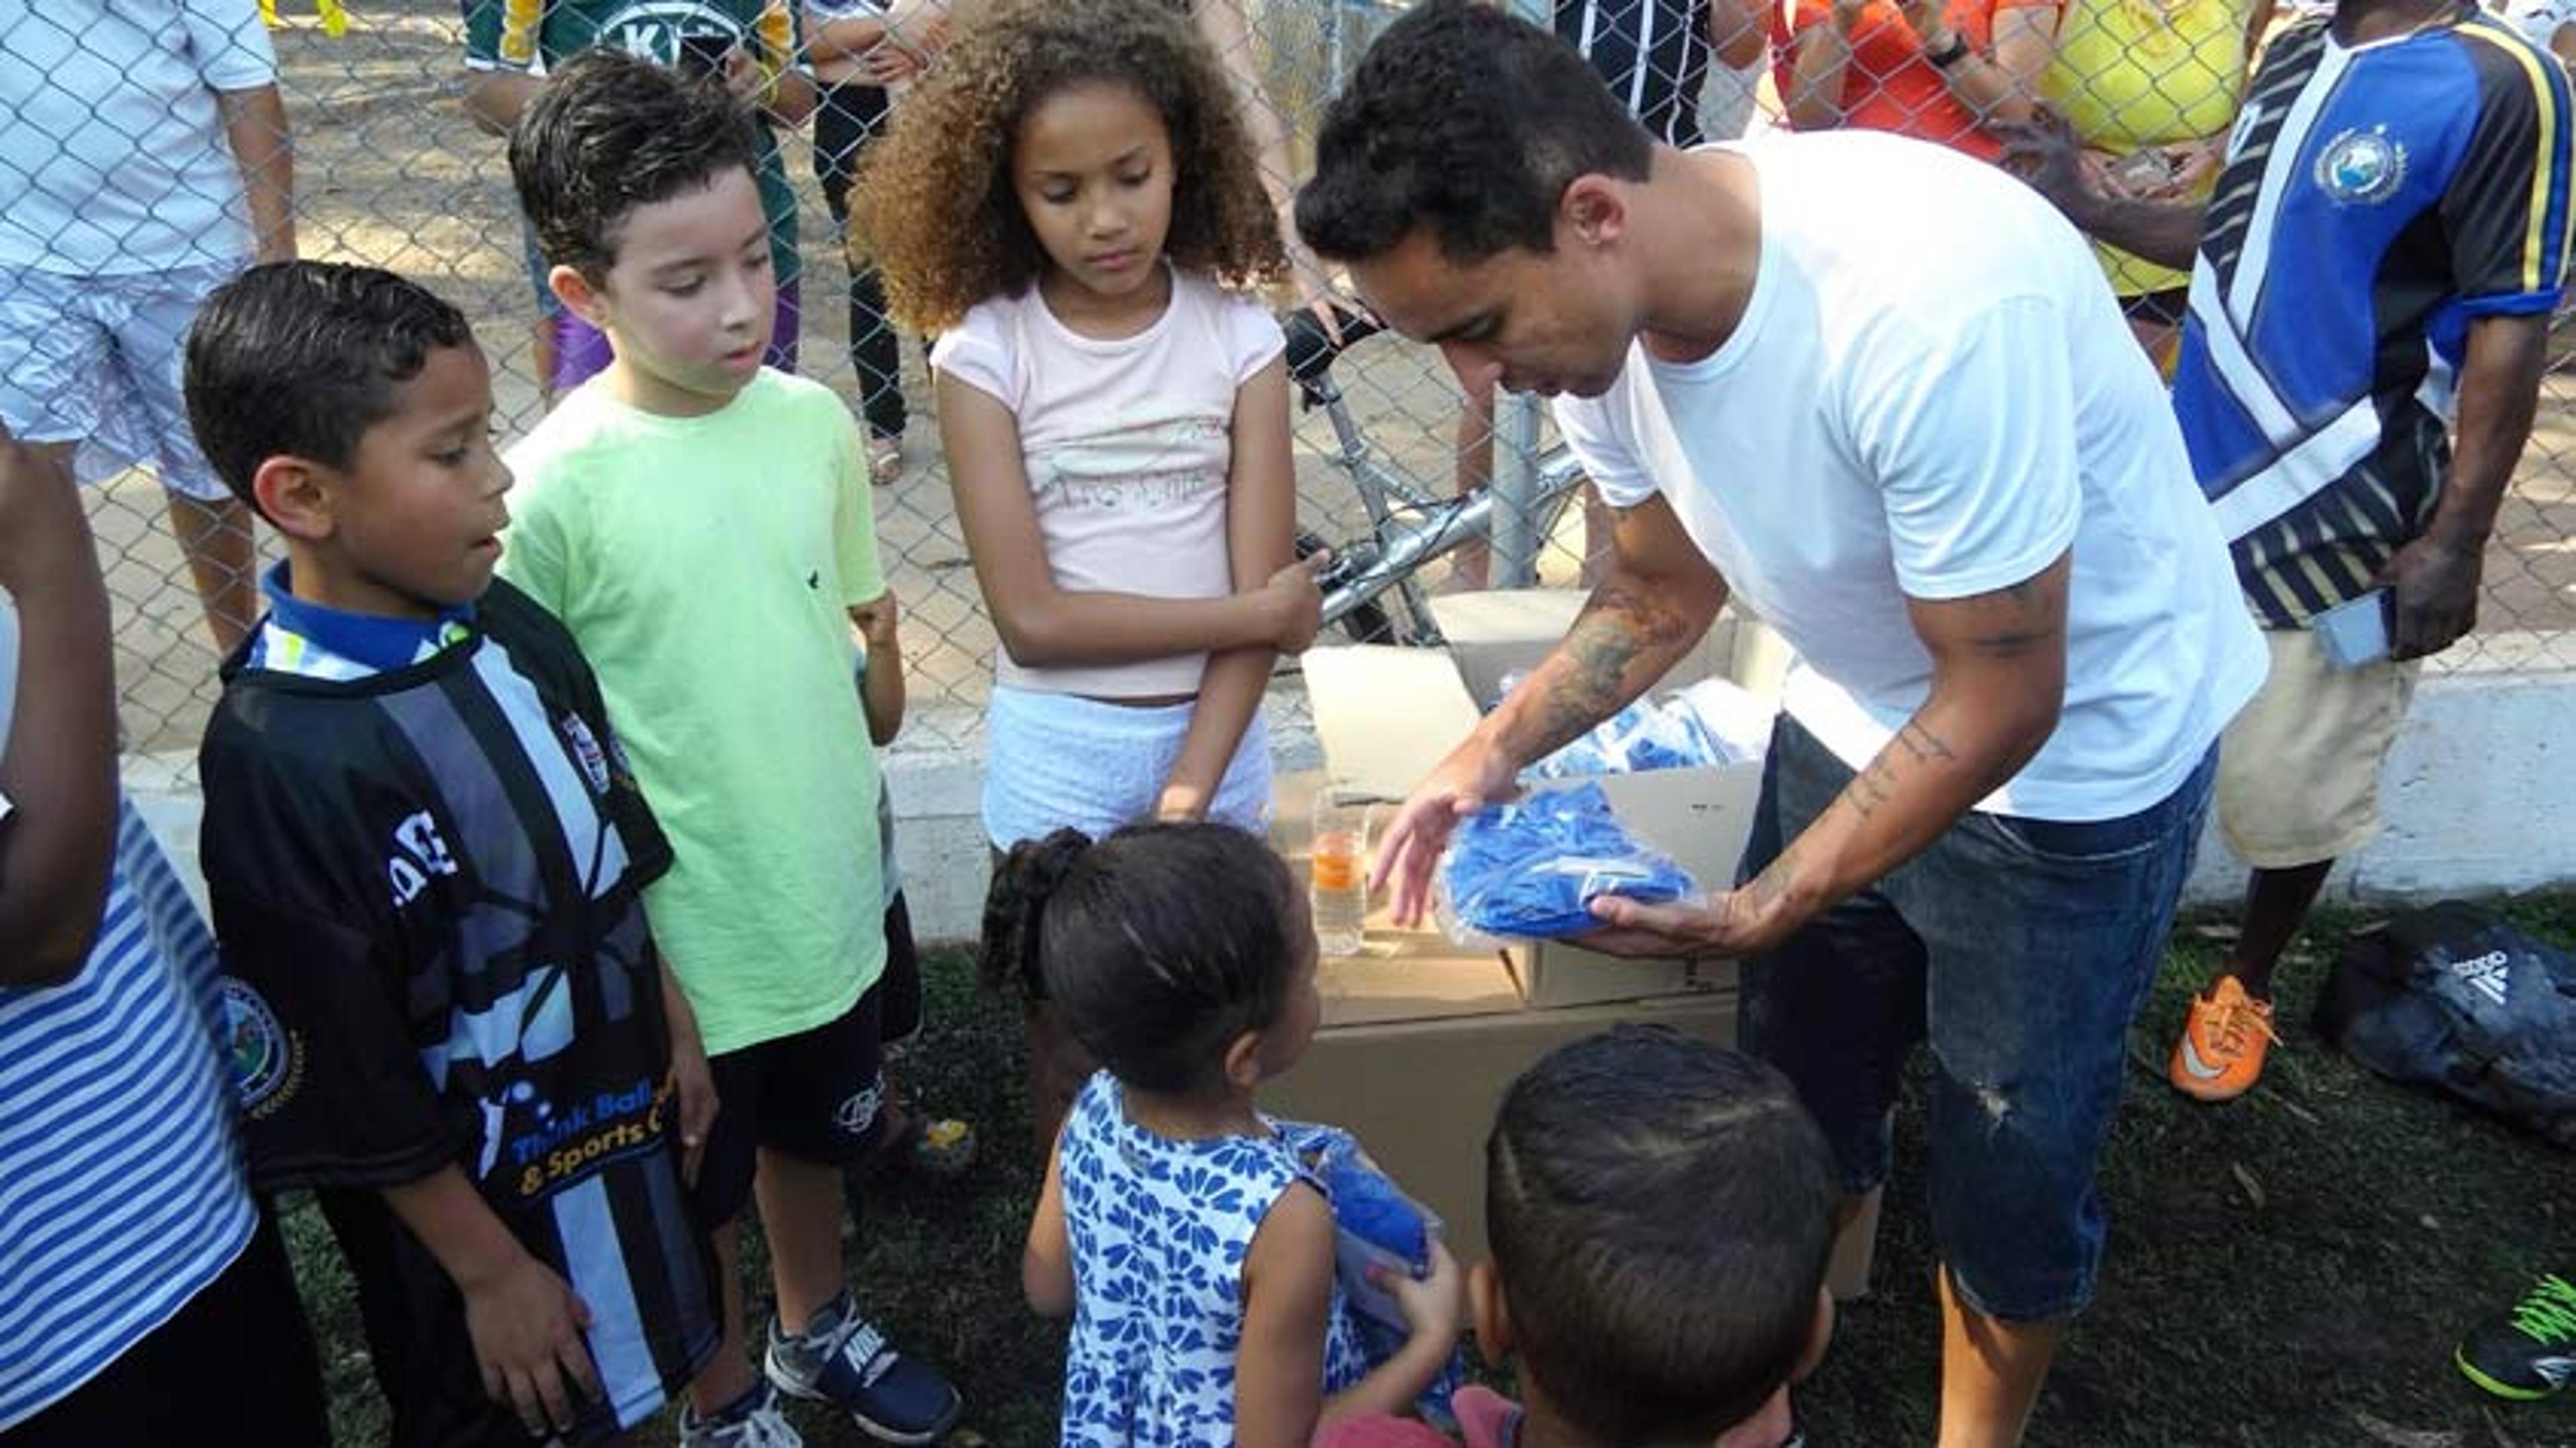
(843, 1360)
(2528, 1353)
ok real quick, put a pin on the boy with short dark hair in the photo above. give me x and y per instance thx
(1660, 1212)
(426, 856)
(702, 524)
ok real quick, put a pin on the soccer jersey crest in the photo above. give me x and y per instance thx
(2361, 168)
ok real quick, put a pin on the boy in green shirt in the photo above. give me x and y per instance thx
(702, 525)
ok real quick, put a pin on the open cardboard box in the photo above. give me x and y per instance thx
(1421, 1037)
(1421, 1094)
(1386, 716)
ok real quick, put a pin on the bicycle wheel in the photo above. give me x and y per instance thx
(1366, 623)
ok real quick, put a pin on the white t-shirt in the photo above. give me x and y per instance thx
(1128, 446)
(1932, 394)
(112, 154)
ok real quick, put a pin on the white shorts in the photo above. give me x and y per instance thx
(1058, 761)
(97, 360)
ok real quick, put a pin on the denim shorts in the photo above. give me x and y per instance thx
(2018, 950)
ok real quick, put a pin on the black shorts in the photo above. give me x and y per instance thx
(815, 1095)
(899, 1010)
(235, 1365)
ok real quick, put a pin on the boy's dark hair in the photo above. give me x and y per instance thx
(1660, 1211)
(936, 210)
(609, 132)
(1469, 122)
(1159, 945)
(300, 358)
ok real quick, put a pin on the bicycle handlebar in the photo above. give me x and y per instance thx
(1311, 349)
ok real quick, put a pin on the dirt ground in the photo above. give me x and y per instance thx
(390, 172)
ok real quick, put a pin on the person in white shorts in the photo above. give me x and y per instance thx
(144, 159)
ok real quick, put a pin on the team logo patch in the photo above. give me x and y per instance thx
(586, 750)
(257, 1048)
(854, 1116)
(2361, 168)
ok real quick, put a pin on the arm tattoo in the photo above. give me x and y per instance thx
(1617, 627)
(1772, 885)
(1922, 743)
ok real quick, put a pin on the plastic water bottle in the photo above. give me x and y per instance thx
(1339, 866)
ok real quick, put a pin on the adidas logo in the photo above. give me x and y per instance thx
(2487, 974)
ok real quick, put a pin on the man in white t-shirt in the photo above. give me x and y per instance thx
(1869, 387)
(143, 161)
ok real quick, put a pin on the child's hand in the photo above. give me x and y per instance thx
(876, 620)
(1295, 604)
(1434, 1307)
(693, 1085)
(44, 534)
(526, 1325)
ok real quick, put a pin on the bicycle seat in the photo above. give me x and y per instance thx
(1311, 349)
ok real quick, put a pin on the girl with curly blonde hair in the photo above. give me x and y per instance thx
(1070, 200)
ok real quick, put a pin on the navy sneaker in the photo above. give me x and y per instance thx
(843, 1360)
(754, 1422)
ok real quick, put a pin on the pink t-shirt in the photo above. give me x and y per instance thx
(1127, 446)
(1487, 1418)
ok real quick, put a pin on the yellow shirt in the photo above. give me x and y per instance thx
(2133, 74)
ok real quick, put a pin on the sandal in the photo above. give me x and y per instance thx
(885, 459)
(940, 1148)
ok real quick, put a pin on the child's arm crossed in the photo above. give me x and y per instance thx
(1261, 539)
(1044, 626)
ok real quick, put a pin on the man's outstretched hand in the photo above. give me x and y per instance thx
(1475, 774)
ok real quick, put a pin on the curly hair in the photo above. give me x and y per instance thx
(935, 210)
(1467, 122)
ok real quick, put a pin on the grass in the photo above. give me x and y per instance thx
(2290, 1270)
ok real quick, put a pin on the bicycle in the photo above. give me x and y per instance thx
(1408, 527)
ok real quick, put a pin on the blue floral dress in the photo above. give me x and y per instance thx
(1159, 1230)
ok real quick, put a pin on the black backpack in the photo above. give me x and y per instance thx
(2452, 998)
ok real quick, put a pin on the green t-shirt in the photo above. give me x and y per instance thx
(706, 566)
(537, 35)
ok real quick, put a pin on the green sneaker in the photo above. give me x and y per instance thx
(2528, 1353)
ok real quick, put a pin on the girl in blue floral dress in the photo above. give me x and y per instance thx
(1191, 1245)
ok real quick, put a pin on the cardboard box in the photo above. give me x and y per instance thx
(1386, 716)
(1421, 1094)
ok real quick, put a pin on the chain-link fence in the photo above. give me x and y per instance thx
(390, 168)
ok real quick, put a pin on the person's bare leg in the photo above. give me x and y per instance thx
(1847, 1270)
(729, 1376)
(215, 538)
(1991, 1372)
(1471, 563)
(800, 1215)
(2276, 905)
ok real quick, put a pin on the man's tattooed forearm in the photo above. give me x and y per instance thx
(1773, 884)
(1616, 629)
(1922, 743)
(1872, 787)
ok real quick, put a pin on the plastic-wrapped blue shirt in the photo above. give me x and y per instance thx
(1532, 868)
